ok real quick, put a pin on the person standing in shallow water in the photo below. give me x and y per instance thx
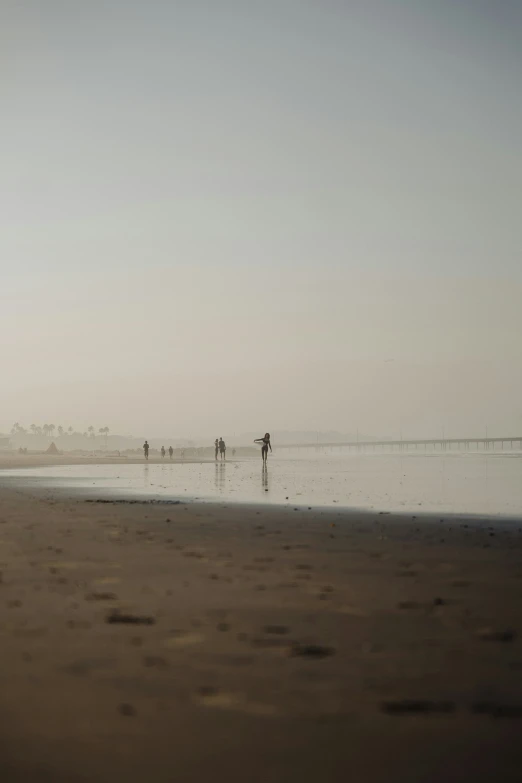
(146, 450)
(216, 448)
(162, 452)
(265, 445)
(222, 448)
(171, 451)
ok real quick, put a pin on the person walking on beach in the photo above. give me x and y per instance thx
(162, 452)
(222, 448)
(146, 449)
(216, 448)
(171, 451)
(265, 445)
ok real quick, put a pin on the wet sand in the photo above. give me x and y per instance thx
(485, 485)
(9, 460)
(192, 642)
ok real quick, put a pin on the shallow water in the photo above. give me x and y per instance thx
(475, 484)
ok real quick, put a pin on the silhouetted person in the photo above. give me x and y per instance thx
(146, 450)
(233, 452)
(162, 452)
(222, 448)
(182, 453)
(216, 448)
(265, 445)
(171, 451)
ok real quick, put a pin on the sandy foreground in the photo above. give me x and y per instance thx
(151, 642)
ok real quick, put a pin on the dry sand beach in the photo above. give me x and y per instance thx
(162, 642)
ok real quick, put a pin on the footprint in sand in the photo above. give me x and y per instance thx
(497, 710)
(30, 633)
(353, 611)
(100, 596)
(409, 605)
(494, 635)
(154, 661)
(311, 651)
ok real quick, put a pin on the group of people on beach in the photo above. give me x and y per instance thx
(219, 448)
(146, 448)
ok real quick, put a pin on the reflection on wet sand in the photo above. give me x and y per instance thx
(460, 484)
(264, 478)
(219, 476)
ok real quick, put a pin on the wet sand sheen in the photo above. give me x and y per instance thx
(479, 484)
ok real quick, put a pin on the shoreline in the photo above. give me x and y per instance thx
(119, 496)
(13, 461)
(254, 643)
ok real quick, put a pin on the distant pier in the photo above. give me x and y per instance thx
(436, 444)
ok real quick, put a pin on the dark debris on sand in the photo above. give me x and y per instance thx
(130, 619)
(312, 651)
(490, 635)
(127, 710)
(495, 710)
(416, 706)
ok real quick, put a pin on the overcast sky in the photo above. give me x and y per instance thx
(219, 216)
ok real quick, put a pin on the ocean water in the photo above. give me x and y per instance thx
(485, 484)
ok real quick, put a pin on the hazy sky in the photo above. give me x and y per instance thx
(219, 216)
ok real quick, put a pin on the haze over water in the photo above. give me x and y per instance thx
(457, 483)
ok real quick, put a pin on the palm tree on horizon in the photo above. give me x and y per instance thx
(104, 431)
